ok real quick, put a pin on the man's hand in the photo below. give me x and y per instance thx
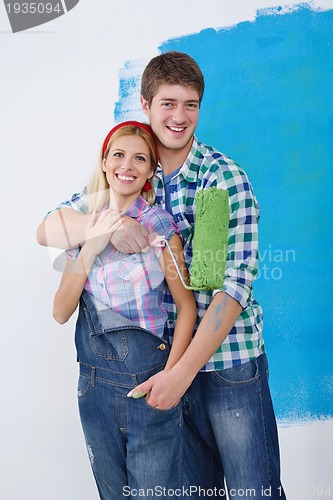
(131, 237)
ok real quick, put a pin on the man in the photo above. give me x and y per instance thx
(223, 374)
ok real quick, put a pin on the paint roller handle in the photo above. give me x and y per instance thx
(162, 240)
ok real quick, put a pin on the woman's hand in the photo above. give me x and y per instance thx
(163, 390)
(100, 228)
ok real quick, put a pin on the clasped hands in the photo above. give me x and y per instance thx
(125, 233)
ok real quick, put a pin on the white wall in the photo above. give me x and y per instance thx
(59, 83)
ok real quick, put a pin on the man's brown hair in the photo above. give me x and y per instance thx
(172, 68)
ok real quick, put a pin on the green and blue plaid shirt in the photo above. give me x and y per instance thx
(203, 168)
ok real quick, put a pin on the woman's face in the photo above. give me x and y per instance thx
(127, 167)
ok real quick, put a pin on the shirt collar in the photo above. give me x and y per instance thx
(189, 169)
(138, 207)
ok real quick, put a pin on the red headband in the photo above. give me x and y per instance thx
(143, 126)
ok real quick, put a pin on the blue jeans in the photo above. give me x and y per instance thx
(231, 413)
(131, 445)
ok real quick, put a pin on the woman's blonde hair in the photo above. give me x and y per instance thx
(98, 187)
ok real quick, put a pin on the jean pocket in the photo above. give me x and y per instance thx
(241, 374)
(160, 410)
(83, 386)
(110, 346)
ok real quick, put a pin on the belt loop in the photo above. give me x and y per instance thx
(93, 376)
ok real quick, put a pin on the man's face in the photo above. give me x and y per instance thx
(173, 116)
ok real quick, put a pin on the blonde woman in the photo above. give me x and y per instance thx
(120, 335)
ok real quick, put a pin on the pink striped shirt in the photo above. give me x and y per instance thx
(133, 284)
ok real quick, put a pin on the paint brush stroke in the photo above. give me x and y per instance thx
(269, 105)
(128, 107)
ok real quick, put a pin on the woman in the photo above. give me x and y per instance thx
(120, 328)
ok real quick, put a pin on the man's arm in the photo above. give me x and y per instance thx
(171, 385)
(214, 327)
(227, 304)
(65, 228)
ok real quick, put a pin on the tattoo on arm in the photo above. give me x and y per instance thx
(217, 315)
(220, 311)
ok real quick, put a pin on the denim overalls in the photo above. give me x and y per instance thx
(131, 445)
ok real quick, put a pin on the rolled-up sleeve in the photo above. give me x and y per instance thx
(242, 252)
(77, 202)
(162, 223)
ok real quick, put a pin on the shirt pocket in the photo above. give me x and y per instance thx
(142, 270)
(134, 267)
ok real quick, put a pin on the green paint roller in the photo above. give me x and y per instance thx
(209, 241)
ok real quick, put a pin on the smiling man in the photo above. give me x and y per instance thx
(173, 114)
(230, 430)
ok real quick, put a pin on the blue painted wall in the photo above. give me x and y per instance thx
(269, 105)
